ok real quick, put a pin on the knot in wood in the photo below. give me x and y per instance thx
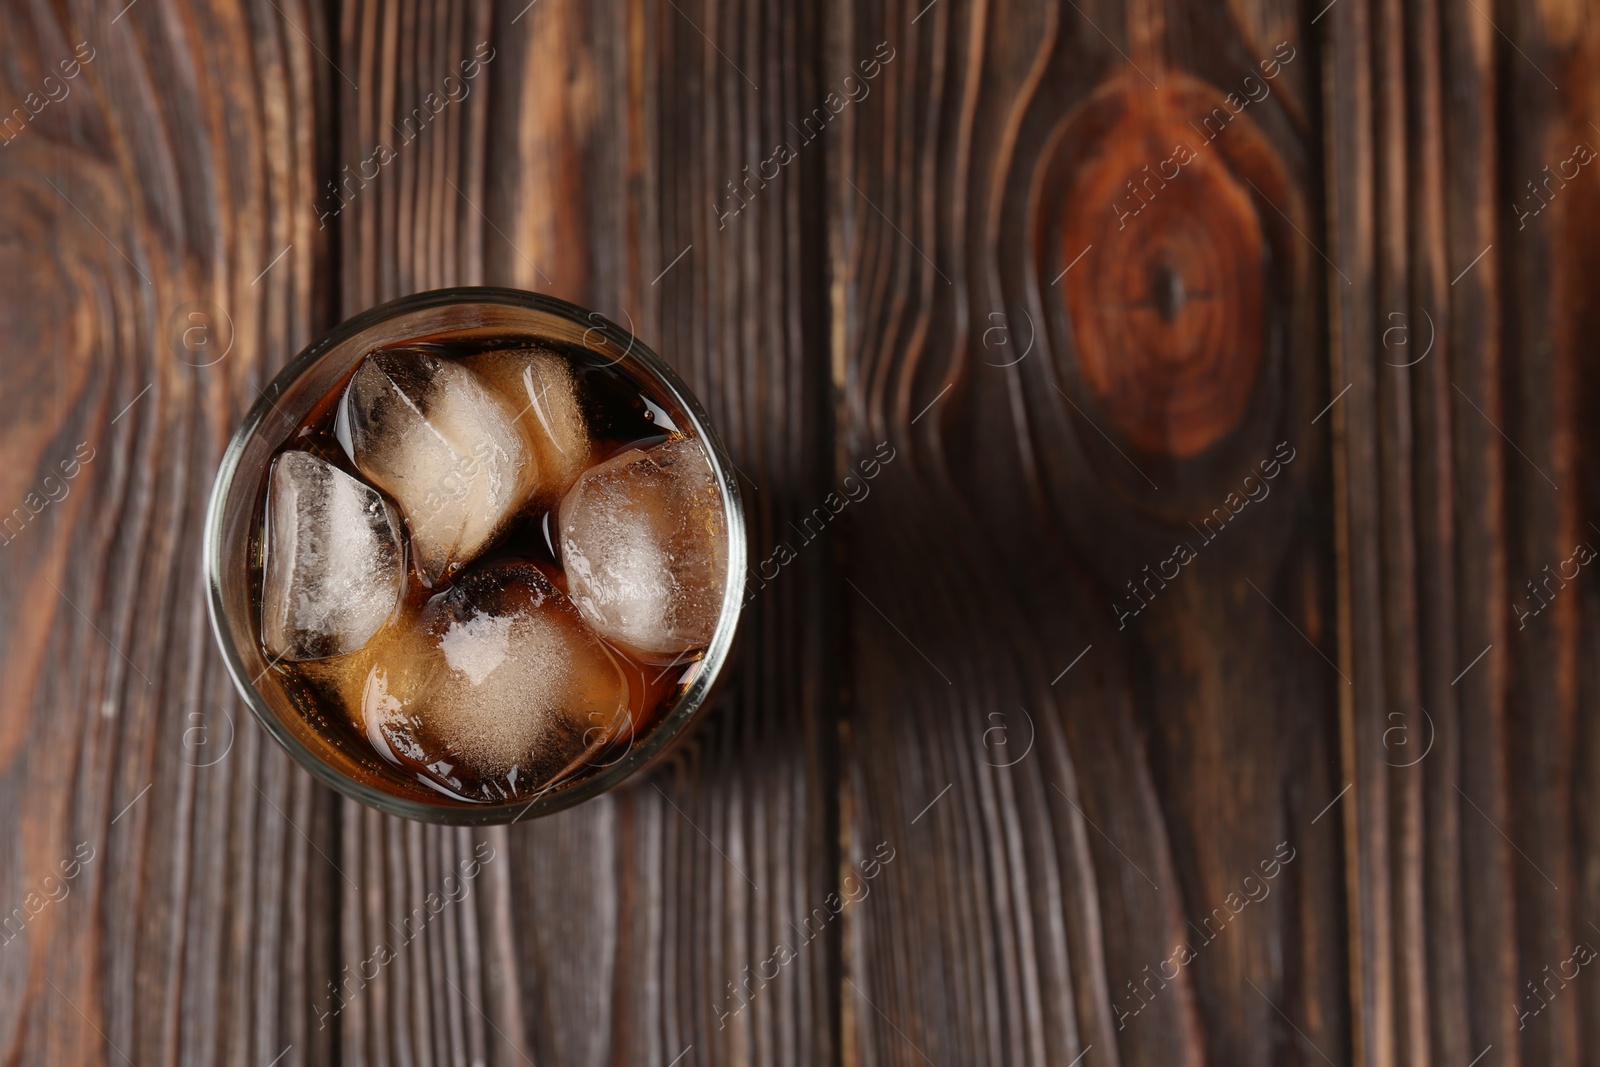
(1167, 312)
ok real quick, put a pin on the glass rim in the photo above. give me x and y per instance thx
(656, 739)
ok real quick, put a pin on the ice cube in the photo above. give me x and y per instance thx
(335, 564)
(644, 542)
(493, 690)
(524, 692)
(449, 450)
(541, 385)
(381, 686)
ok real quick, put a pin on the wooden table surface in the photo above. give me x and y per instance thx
(1206, 674)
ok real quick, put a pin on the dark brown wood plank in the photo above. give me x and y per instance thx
(144, 206)
(1035, 481)
(1462, 481)
(586, 162)
(1546, 270)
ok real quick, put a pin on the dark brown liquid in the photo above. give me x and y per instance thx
(622, 412)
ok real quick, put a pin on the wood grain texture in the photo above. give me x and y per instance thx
(1464, 482)
(142, 204)
(1006, 312)
(1035, 517)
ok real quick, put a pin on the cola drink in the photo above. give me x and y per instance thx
(487, 566)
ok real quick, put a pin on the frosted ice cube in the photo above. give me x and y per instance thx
(525, 691)
(541, 385)
(644, 542)
(335, 564)
(449, 450)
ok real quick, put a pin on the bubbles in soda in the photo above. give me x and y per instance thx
(489, 566)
